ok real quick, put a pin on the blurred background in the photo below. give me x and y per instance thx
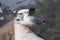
(46, 9)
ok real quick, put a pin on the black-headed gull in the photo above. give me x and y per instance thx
(22, 22)
(25, 18)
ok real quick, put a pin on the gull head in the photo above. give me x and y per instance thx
(25, 17)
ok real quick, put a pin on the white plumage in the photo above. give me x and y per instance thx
(22, 19)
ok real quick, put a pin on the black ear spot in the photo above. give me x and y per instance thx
(18, 19)
(32, 9)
